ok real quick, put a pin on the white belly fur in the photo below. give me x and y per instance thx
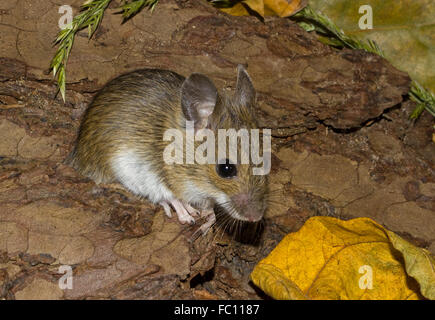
(136, 175)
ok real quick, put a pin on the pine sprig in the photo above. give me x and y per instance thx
(330, 33)
(90, 16)
(424, 99)
(131, 8)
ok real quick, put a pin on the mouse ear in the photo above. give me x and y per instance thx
(198, 99)
(245, 94)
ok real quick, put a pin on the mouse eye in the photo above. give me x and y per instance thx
(226, 170)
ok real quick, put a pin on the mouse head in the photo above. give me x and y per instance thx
(230, 181)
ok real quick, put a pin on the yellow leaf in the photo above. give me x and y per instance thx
(281, 8)
(237, 10)
(357, 259)
(256, 5)
(419, 264)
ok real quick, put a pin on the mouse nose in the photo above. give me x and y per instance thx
(247, 208)
(241, 199)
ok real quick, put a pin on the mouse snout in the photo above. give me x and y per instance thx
(247, 208)
(241, 199)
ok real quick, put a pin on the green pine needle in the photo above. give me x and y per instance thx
(131, 8)
(424, 99)
(330, 33)
(90, 16)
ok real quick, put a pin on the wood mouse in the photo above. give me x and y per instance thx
(121, 140)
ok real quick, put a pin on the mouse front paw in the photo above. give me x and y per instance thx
(185, 212)
(210, 220)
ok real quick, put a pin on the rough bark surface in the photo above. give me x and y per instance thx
(342, 147)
